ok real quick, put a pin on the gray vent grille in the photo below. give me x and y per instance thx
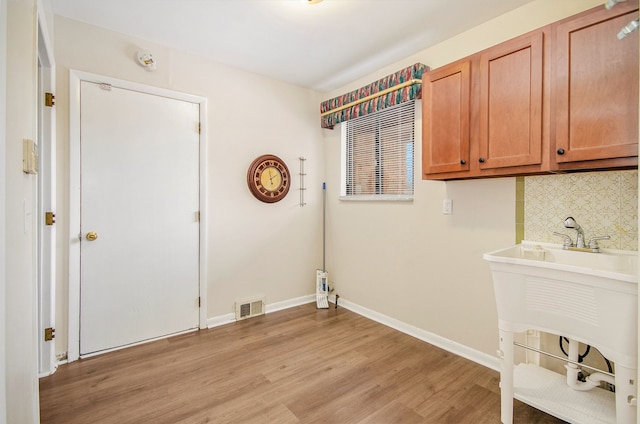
(249, 308)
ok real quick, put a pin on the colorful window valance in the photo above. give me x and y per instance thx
(399, 87)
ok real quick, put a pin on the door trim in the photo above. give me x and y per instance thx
(75, 78)
(46, 193)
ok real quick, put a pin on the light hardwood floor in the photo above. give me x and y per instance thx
(300, 365)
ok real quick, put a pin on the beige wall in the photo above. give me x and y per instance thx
(254, 248)
(21, 328)
(411, 262)
(3, 276)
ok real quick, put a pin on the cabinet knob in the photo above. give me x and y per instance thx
(481, 160)
(463, 162)
(561, 151)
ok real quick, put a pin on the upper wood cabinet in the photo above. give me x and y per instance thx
(446, 116)
(511, 82)
(564, 97)
(596, 88)
(483, 115)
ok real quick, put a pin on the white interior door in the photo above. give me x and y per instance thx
(139, 195)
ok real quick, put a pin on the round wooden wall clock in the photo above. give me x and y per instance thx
(268, 178)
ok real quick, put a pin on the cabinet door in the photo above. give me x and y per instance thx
(445, 118)
(511, 84)
(596, 87)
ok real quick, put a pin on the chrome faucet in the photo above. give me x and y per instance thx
(572, 224)
(591, 246)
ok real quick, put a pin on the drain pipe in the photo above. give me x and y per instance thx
(593, 380)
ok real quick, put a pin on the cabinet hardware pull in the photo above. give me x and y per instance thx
(463, 162)
(481, 160)
(561, 151)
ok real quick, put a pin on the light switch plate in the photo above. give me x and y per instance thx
(447, 207)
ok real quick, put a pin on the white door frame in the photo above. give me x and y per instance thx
(46, 242)
(75, 78)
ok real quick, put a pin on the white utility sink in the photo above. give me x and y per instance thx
(591, 297)
(619, 265)
(588, 297)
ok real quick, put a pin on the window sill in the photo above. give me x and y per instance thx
(378, 198)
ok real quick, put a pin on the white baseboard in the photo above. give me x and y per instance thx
(221, 320)
(273, 307)
(420, 334)
(285, 304)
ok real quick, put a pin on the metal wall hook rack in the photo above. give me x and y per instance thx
(302, 175)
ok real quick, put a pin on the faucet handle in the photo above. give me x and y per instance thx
(567, 240)
(593, 241)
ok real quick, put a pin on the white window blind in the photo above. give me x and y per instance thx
(378, 154)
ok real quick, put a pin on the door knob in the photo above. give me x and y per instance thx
(91, 236)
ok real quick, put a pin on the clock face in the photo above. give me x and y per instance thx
(268, 178)
(271, 178)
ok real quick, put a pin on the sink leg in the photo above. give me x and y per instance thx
(625, 395)
(506, 376)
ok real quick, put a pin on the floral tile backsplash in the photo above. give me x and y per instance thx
(603, 203)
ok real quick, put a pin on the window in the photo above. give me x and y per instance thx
(378, 155)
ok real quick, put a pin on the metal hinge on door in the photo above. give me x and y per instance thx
(199, 303)
(49, 218)
(49, 99)
(49, 334)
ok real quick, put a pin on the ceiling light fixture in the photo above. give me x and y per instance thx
(313, 1)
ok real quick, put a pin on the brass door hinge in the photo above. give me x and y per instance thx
(49, 218)
(49, 334)
(49, 99)
(199, 302)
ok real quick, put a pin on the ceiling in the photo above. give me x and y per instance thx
(321, 46)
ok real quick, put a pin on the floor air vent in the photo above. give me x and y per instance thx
(249, 308)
